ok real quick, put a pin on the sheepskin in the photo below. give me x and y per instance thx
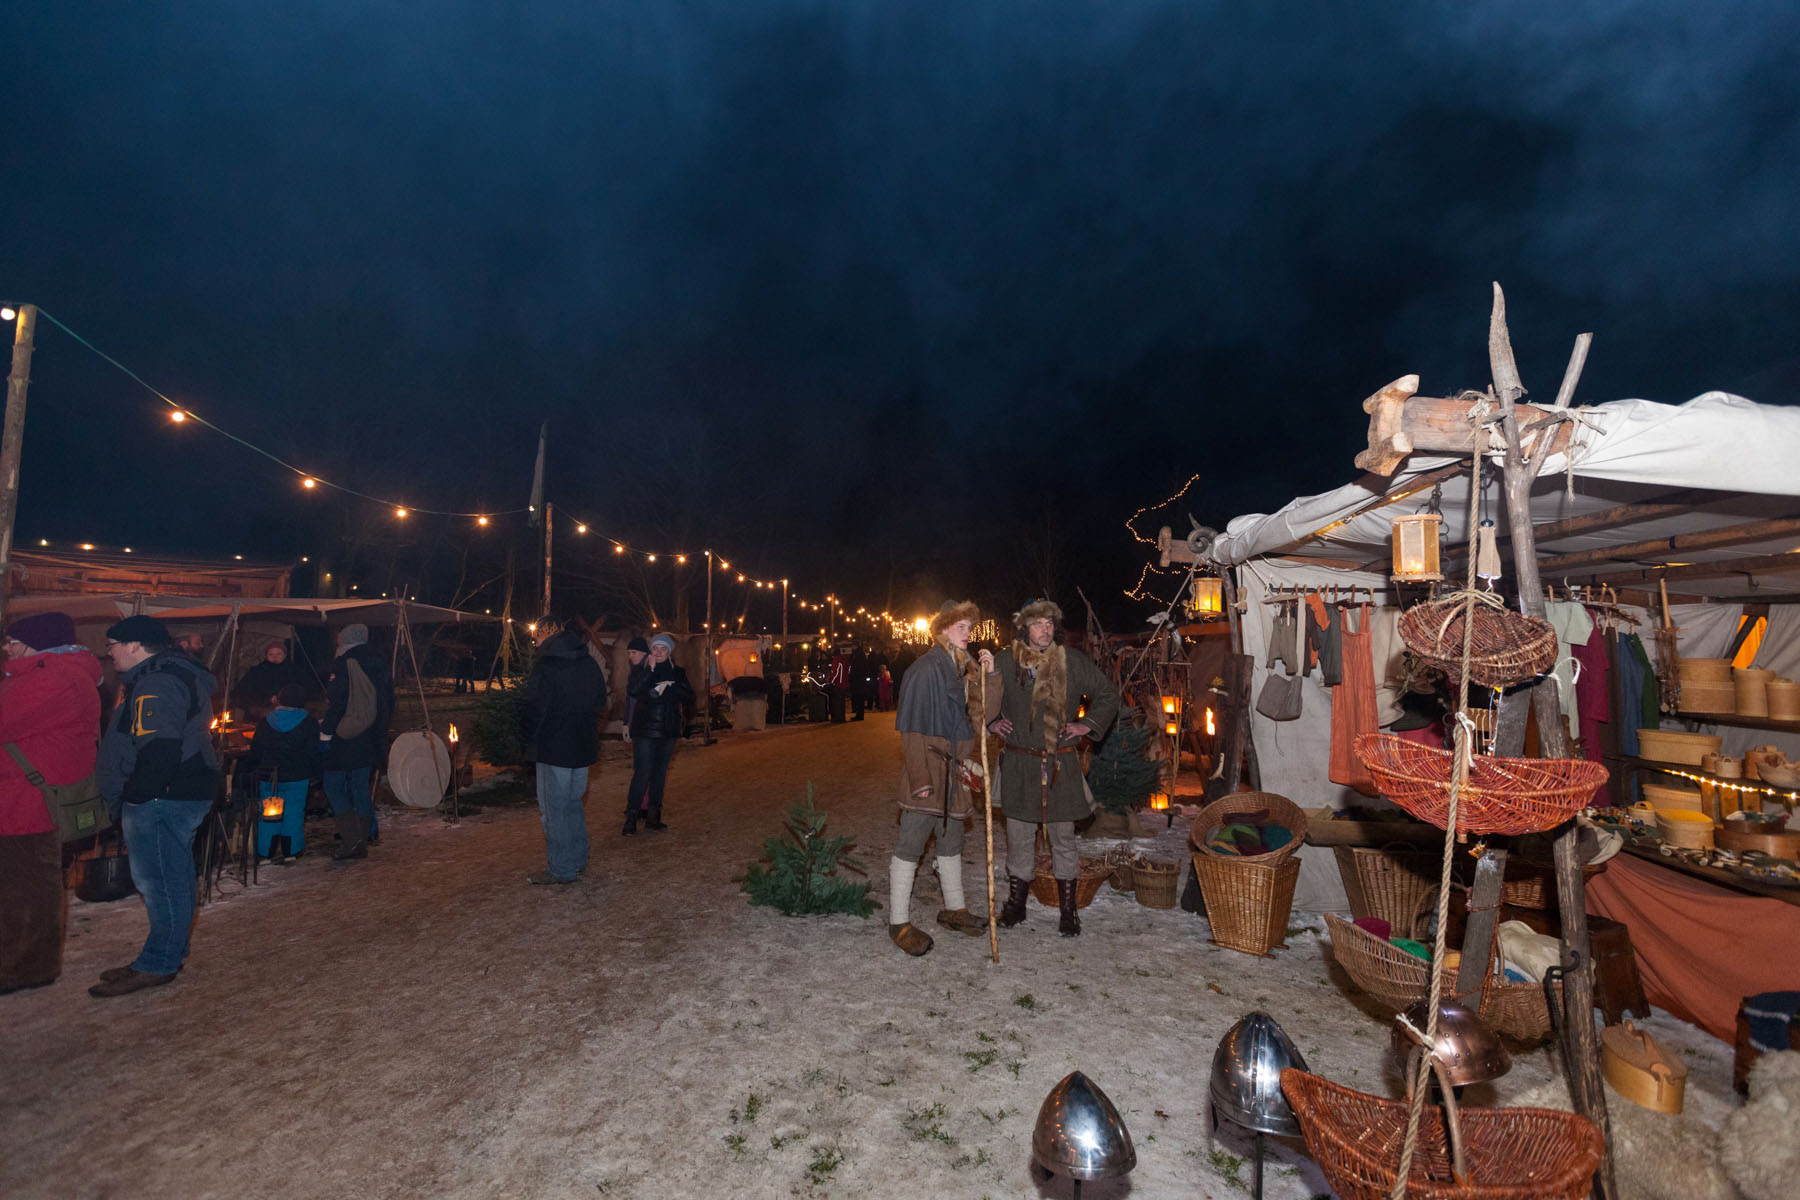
(1761, 1143)
(1656, 1156)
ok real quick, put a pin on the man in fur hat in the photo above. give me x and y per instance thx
(940, 710)
(1042, 720)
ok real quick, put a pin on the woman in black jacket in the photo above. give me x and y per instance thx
(283, 759)
(662, 693)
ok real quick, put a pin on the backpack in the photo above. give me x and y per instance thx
(359, 705)
(77, 808)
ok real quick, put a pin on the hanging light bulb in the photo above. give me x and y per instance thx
(309, 483)
(178, 416)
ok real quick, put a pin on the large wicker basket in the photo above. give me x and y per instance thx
(1506, 647)
(1394, 884)
(1533, 885)
(1093, 873)
(1513, 1153)
(1502, 795)
(1280, 809)
(1247, 899)
(1156, 882)
(1398, 980)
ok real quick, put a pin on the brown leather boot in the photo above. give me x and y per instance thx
(1070, 925)
(1013, 911)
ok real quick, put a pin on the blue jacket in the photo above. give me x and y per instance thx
(158, 744)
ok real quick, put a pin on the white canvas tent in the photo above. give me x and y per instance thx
(1718, 461)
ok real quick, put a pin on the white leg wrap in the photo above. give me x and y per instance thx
(900, 881)
(950, 876)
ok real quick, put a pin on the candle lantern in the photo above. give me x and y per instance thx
(1416, 547)
(1159, 801)
(1208, 596)
(1171, 705)
(272, 807)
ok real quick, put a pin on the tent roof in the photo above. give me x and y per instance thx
(1718, 460)
(293, 610)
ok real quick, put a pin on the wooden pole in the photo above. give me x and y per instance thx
(987, 812)
(14, 442)
(547, 546)
(706, 660)
(1585, 1085)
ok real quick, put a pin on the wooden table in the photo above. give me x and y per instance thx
(1649, 852)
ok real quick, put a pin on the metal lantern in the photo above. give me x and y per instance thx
(272, 807)
(1172, 728)
(1416, 547)
(1159, 801)
(1246, 1081)
(1080, 1134)
(1171, 706)
(1208, 596)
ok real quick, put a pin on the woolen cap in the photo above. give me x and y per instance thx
(147, 632)
(666, 640)
(43, 630)
(640, 645)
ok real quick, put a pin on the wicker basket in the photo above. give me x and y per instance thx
(1395, 883)
(1502, 795)
(1281, 810)
(1119, 859)
(1247, 899)
(1156, 882)
(1399, 980)
(1093, 873)
(1513, 1153)
(1533, 885)
(1506, 647)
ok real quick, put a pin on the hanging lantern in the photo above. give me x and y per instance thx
(1416, 547)
(1211, 728)
(1171, 706)
(272, 807)
(1159, 801)
(1172, 728)
(1208, 596)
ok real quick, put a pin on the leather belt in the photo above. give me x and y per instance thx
(1042, 753)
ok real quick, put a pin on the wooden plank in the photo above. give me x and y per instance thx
(1401, 424)
(1705, 539)
(1770, 564)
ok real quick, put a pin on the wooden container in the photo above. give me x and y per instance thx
(1752, 693)
(1784, 699)
(1691, 830)
(1155, 881)
(1703, 670)
(1664, 796)
(1708, 698)
(1785, 844)
(1729, 766)
(1673, 746)
(1641, 1070)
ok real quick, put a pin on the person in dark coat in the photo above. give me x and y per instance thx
(256, 691)
(562, 703)
(352, 754)
(283, 759)
(663, 694)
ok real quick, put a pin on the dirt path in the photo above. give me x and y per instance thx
(424, 1024)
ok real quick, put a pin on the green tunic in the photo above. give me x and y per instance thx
(1023, 796)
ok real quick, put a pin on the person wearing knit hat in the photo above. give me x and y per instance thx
(1054, 697)
(359, 703)
(158, 772)
(663, 696)
(941, 708)
(49, 709)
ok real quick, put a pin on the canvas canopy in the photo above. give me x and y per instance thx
(290, 610)
(1717, 461)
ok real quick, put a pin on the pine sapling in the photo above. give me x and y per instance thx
(802, 873)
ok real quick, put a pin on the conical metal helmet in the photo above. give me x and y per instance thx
(1079, 1133)
(1467, 1045)
(1246, 1076)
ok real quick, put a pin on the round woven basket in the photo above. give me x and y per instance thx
(1501, 795)
(1093, 873)
(1505, 648)
(1533, 885)
(1156, 882)
(1281, 810)
(1396, 882)
(1513, 1153)
(1119, 858)
(1399, 980)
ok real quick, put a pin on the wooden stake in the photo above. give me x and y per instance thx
(987, 812)
(14, 442)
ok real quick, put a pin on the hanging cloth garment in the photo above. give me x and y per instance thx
(1389, 652)
(1573, 628)
(1325, 638)
(1631, 692)
(1353, 707)
(1282, 638)
(1593, 691)
(1312, 620)
(1650, 701)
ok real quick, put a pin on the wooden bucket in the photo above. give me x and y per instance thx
(1752, 692)
(1673, 797)
(1784, 699)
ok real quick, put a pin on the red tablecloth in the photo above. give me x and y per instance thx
(1700, 948)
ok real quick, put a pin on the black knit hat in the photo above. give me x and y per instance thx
(640, 645)
(147, 632)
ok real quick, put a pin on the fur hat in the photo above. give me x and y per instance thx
(952, 612)
(41, 631)
(1033, 610)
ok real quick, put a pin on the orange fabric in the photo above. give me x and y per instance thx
(1315, 604)
(1700, 948)
(1353, 707)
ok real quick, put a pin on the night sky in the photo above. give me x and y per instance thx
(903, 299)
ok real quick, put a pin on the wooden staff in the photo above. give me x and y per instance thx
(987, 813)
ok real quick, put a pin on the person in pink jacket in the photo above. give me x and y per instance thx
(50, 710)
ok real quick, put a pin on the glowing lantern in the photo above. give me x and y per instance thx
(272, 807)
(1159, 801)
(1208, 597)
(1210, 727)
(453, 735)
(1172, 728)
(1171, 705)
(1416, 547)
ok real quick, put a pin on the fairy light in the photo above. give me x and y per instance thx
(481, 520)
(401, 513)
(1727, 785)
(178, 416)
(581, 529)
(309, 483)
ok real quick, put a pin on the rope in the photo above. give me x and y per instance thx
(1459, 776)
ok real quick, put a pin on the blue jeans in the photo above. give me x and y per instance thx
(560, 791)
(159, 838)
(346, 790)
(649, 768)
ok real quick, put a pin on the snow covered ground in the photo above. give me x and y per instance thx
(426, 1024)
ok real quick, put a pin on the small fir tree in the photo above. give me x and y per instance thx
(1122, 775)
(802, 875)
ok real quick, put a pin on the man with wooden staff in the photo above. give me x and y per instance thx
(941, 707)
(1054, 697)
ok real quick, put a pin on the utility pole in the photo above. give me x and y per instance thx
(546, 616)
(706, 663)
(784, 612)
(12, 442)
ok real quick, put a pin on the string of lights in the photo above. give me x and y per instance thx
(1132, 529)
(1729, 786)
